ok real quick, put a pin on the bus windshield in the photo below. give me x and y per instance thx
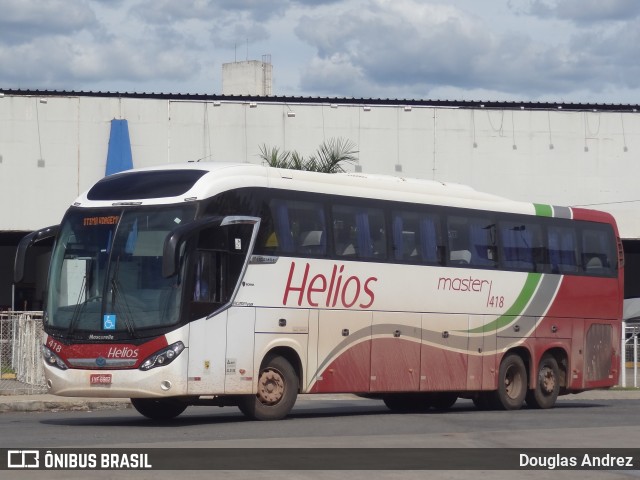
(106, 272)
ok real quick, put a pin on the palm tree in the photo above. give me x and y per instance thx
(274, 158)
(332, 154)
(329, 158)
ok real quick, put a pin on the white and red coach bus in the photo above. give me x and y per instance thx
(220, 284)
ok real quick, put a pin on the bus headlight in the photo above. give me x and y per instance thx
(163, 357)
(52, 359)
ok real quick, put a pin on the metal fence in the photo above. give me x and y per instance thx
(629, 371)
(21, 369)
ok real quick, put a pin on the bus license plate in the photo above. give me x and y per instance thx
(100, 379)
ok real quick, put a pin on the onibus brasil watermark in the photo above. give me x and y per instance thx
(320, 459)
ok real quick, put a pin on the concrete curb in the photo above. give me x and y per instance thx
(49, 403)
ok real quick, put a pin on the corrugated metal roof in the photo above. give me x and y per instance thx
(278, 99)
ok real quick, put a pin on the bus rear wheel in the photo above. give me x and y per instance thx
(277, 391)
(548, 385)
(159, 408)
(512, 383)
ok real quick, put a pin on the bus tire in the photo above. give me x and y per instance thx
(277, 391)
(512, 383)
(407, 402)
(158, 408)
(548, 385)
(443, 400)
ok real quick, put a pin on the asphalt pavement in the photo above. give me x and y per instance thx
(47, 402)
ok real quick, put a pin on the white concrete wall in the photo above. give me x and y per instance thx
(71, 135)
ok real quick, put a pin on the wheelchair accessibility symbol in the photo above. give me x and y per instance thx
(109, 322)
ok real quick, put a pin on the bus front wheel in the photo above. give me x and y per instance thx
(548, 385)
(512, 383)
(277, 391)
(158, 409)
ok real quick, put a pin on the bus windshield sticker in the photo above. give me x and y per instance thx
(109, 321)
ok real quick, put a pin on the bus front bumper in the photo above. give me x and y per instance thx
(166, 381)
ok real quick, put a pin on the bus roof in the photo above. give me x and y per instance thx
(219, 177)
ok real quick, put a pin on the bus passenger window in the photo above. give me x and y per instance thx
(359, 232)
(416, 237)
(472, 241)
(522, 246)
(283, 227)
(312, 242)
(310, 227)
(298, 228)
(266, 242)
(562, 246)
(343, 233)
(598, 251)
(378, 236)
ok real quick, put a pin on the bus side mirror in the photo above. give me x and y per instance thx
(24, 245)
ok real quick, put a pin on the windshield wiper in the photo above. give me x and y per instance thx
(115, 293)
(75, 318)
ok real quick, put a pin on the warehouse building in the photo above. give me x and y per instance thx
(55, 144)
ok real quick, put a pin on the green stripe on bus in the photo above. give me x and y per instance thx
(543, 210)
(524, 297)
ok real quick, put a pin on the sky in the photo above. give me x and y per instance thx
(505, 50)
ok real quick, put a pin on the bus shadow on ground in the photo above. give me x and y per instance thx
(203, 415)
